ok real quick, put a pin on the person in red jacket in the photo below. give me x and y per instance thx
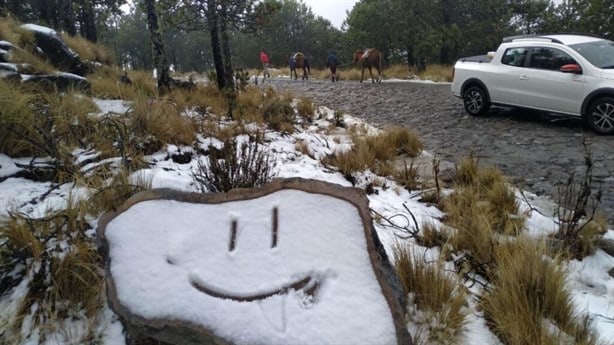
(265, 63)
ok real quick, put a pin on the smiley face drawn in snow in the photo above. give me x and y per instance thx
(226, 261)
(307, 286)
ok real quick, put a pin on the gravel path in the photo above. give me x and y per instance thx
(533, 149)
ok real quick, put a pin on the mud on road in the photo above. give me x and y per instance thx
(537, 151)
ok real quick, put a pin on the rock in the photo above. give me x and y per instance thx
(61, 82)
(53, 48)
(4, 55)
(335, 307)
(8, 67)
(10, 75)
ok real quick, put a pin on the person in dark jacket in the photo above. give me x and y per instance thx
(332, 63)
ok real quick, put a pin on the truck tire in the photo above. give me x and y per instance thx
(475, 101)
(600, 115)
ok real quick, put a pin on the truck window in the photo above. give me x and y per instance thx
(514, 56)
(549, 58)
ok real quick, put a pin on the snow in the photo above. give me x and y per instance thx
(199, 252)
(329, 248)
(39, 28)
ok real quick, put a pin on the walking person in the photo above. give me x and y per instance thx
(332, 63)
(264, 58)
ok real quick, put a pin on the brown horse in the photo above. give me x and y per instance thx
(368, 58)
(299, 61)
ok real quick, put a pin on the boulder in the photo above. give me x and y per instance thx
(52, 47)
(60, 82)
(192, 268)
(10, 75)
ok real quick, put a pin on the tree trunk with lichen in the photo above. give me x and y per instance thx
(157, 48)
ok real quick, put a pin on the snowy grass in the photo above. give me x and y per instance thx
(477, 237)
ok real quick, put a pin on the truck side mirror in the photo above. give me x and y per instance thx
(571, 68)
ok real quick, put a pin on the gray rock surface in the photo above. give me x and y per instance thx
(174, 331)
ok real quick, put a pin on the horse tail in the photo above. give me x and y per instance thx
(307, 65)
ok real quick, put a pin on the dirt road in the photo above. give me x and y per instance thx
(537, 150)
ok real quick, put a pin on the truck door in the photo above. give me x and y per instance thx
(506, 78)
(545, 87)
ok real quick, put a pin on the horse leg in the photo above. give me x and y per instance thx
(362, 74)
(305, 76)
(371, 73)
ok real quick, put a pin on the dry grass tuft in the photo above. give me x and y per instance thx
(399, 71)
(279, 114)
(408, 177)
(76, 277)
(29, 63)
(163, 120)
(435, 300)
(474, 232)
(105, 84)
(9, 30)
(405, 140)
(436, 72)
(16, 121)
(88, 50)
(63, 280)
(249, 106)
(494, 199)
(432, 236)
(530, 303)
(377, 153)
(305, 109)
(110, 195)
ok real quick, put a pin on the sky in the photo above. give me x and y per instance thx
(173, 261)
(333, 10)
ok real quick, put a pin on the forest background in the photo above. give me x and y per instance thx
(411, 32)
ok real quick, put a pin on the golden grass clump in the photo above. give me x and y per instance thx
(69, 111)
(474, 231)
(249, 106)
(17, 237)
(405, 140)
(432, 236)
(279, 114)
(400, 71)
(436, 72)
(305, 109)
(76, 277)
(378, 153)
(9, 30)
(30, 63)
(105, 84)
(530, 303)
(590, 238)
(88, 50)
(435, 300)
(353, 74)
(163, 120)
(110, 195)
(495, 200)
(17, 121)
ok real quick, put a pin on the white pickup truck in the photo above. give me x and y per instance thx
(567, 74)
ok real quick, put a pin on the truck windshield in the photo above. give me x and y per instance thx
(598, 53)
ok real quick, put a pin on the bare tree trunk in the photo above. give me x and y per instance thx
(228, 70)
(216, 50)
(67, 15)
(87, 21)
(157, 48)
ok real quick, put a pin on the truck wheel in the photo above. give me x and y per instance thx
(475, 101)
(600, 115)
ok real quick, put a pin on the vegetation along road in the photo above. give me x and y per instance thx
(536, 151)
